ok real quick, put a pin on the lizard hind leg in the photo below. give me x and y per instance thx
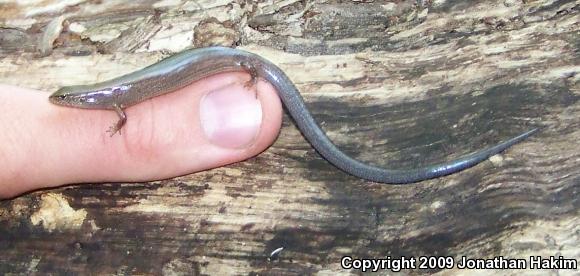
(253, 71)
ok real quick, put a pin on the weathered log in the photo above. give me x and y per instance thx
(399, 84)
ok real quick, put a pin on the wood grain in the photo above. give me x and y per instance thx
(399, 84)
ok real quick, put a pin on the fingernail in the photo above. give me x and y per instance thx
(231, 117)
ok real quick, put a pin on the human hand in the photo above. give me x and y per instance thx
(208, 124)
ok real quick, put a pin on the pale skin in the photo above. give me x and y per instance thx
(44, 145)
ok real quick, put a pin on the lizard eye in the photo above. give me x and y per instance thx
(62, 97)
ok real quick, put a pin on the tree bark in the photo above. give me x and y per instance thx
(399, 84)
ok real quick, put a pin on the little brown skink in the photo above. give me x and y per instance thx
(189, 66)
